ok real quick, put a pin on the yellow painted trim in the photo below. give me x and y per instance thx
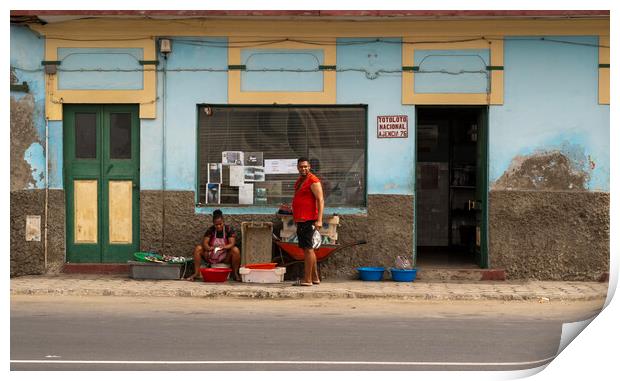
(496, 95)
(327, 96)
(449, 99)
(120, 212)
(145, 97)
(497, 76)
(259, 29)
(603, 72)
(85, 211)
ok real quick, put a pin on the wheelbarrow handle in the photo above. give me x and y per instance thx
(346, 245)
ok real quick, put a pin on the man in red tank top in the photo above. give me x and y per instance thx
(308, 216)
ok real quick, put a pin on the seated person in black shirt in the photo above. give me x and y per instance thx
(218, 246)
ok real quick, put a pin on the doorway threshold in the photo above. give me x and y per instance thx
(445, 258)
(95, 268)
(444, 274)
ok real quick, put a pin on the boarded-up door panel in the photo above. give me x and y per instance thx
(86, 205)
(120, 209)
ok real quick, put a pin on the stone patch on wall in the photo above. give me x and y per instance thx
(552, 170)
(553, 235)
(183, 227)
(23, 136)
(387, 228)
(27, 257)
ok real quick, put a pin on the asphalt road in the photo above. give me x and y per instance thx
(115, 333)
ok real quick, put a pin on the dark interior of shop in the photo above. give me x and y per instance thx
(446, 186)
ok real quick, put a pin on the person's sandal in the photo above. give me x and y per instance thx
(300, 283)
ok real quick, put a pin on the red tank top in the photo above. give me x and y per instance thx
(304, 202)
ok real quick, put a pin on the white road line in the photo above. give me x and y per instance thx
(285, 362)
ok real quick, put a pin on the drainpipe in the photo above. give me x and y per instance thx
(163, 156)
(47, 188)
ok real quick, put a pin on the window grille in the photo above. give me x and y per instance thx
(332, 138)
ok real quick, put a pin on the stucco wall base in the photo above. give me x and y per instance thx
(387, 228)
(549, 235)
(27, 257)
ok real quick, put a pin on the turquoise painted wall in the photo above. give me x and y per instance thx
(56, 154)
(390, 161)
(27, 52)
(551, 103)
(196, 73)
(550, 99)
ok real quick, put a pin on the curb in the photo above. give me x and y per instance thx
(304, 294)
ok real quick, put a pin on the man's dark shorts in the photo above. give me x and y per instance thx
(305, 231)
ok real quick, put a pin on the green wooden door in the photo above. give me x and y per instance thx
(481, 202)
(102, 171)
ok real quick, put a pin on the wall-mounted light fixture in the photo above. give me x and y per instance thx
(165, 46)
(208, 111)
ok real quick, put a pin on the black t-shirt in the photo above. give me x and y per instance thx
(230, 232)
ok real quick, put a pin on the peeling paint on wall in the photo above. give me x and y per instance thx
(551, 170)
(32, 154)
(14, 79)
(565, 112)
(23, 136)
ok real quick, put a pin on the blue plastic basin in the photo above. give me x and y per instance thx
(403, 275)
(371, 273)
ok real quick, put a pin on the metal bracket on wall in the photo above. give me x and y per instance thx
(154, 62)
(491, 68)
(327, 67)
(411, 69)
(236, 67)
(23, 87)
(50, 66)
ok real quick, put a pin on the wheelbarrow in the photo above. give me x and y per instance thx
(297, 253)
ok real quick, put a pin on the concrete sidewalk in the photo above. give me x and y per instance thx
(121, 285)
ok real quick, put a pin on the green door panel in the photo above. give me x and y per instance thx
(121, 163)
(101, 143)
(80, 166)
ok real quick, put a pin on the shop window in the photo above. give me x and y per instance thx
(247, 155)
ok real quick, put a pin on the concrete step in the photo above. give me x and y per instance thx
(95, 268)
(467, 274)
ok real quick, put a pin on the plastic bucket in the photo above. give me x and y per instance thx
(403, 275)
(215, 275)
(371, 273)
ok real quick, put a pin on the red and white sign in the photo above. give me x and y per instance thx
(392, 126)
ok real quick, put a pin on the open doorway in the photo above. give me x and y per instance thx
(451, 187)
